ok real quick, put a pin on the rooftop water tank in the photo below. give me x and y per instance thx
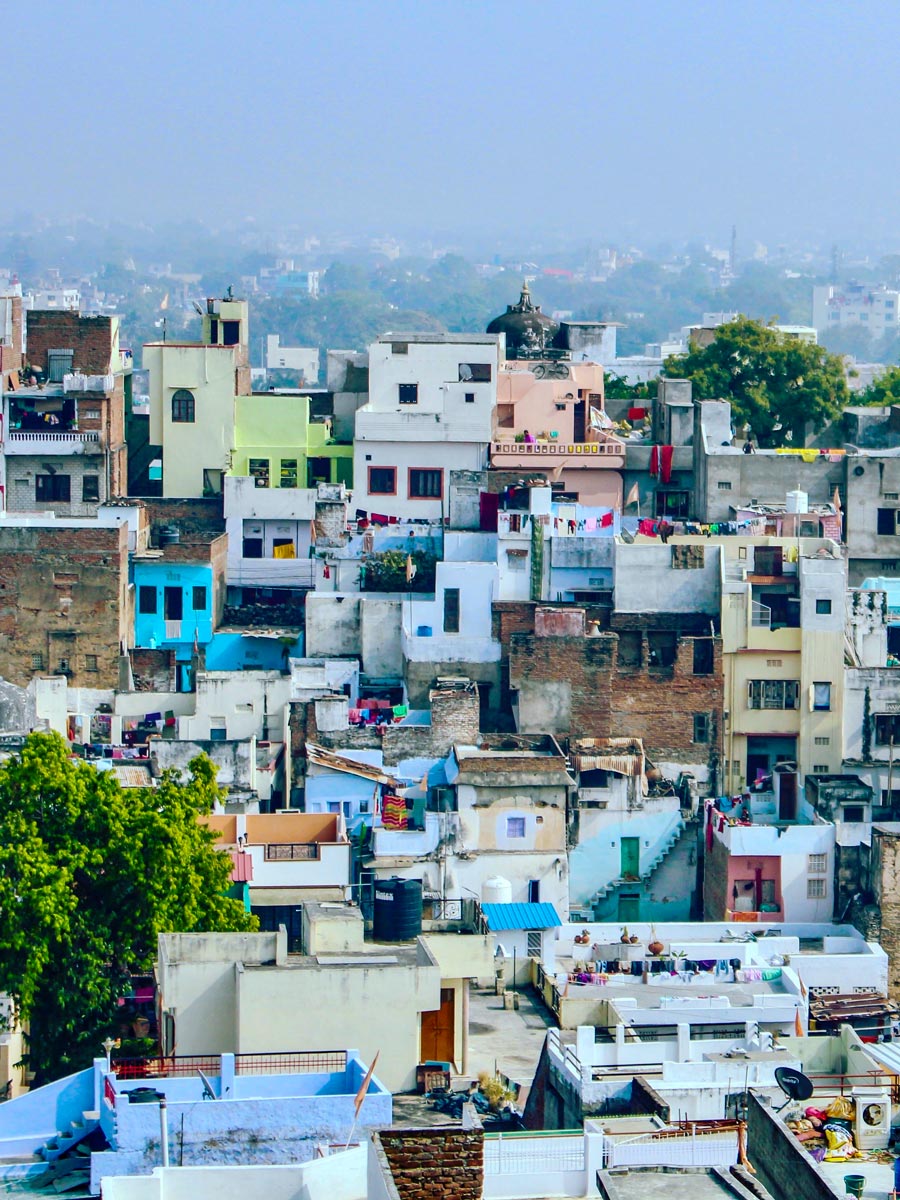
(397, 913)
(797, 502)
(496, 890)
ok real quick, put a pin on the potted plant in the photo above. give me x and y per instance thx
(654, 946)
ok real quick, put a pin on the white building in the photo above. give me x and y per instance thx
(837, 306)
(429, 412)
(304, 359)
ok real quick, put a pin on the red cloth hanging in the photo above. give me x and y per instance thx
(665, 463)
(654, 460)
(636, 414)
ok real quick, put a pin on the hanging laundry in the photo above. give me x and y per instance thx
(606, 520)
(654, 460)
(637, 414)
(590, 524)
(665, 463)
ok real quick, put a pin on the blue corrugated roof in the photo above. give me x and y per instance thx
(520, 916)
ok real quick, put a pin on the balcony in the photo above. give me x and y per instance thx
(273, 573)
(610, 452)
(51, 441)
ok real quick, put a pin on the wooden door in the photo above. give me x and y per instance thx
(438, 1030)
(630, 867)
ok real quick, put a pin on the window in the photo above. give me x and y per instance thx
(183, 406)
(534, 885)
(425, 484)
(853, 813)
(252, 547)
(815, 889)
(892, 495)
(887, 729)
(93, 414)
(408, 393)
(515, 827)
(773, 693)
(451, 610)
(217, 730)
(90, 662)
(821, 697)
(470, 397)
(724, 485)
(820, 768)
(516, 560)
(399, 347)
(199, 599)
(823, 608)
(37, 662)
(90, 487)
(259, 469)
(214, 333)
(63, 666)
(147, 600)
(289, 472)
(701, 727)
(822, 741)
(231, 333)
(48, 488)
(774, 662)
(382, 481)
(474, 372)
(887, 521)
(704, 656)
(533, 943)
(817, 864)
(673, 504)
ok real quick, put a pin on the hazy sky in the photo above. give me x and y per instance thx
(593, 118)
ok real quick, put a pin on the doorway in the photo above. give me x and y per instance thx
(173, 603)
(630, 863)
(629, 908)
(437, 1043)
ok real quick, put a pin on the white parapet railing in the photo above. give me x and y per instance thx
(695, 1145)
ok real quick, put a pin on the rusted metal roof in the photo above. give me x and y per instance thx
(320, 757)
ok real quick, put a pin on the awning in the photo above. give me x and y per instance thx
(503, 917)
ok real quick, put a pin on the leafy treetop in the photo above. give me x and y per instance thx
(89, 876)
(776, 383)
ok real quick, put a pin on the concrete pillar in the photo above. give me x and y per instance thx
(593, 1156)
(226, 1072)
(465, 1026)
(584, 1044)
(620, 1043)
(683, 1033)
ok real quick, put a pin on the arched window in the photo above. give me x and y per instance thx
(182, 405)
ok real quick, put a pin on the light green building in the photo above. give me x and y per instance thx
(275, 441)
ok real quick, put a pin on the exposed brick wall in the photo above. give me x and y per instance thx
(715, 882)
(11, 355)
(63, 595)
(199, 515)
(885, 874)
(434, 1164)
(153, 670)
(91, 339)
(604, 698)
(21, 488)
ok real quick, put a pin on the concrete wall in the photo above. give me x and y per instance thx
(645, 580)
(777, 1156)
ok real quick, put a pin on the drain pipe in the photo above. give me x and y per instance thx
(163, 1131)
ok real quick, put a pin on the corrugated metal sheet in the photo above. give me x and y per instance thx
(501, 917)
(337, 762)
(132, 775)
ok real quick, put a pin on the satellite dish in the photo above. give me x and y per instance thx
(197, 309)
(465, 372)
(627, 537)
(794, 1084)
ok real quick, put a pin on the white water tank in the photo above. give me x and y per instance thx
(496, 890)
(796, 502)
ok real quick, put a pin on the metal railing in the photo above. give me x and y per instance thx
(524, 1153)
(611, 447)
(54, 435)
(697, 1144)
(841, 1084)
(760, 615)
(300, 1062)
(294, 1062)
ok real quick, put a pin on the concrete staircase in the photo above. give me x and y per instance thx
(61, 1164)
(659, 858)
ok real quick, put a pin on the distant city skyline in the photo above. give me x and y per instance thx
(505, 120)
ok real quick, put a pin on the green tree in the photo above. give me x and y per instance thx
(776, 383)
(617, 388)
(89, 876)
(386, 571)
(883, 391)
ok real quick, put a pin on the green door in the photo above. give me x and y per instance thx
(629, 909)
(631, 858)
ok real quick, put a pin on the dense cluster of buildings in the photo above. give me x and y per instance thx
(504, 683)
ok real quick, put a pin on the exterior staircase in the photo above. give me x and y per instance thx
(664, 851)
(61, 1164)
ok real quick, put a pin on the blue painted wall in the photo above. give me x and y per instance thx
(150, 628)
(235, 652)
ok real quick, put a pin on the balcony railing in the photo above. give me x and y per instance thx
(52, 441)
(611, 448)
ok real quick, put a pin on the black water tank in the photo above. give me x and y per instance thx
(397, 915)
(168, 535)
